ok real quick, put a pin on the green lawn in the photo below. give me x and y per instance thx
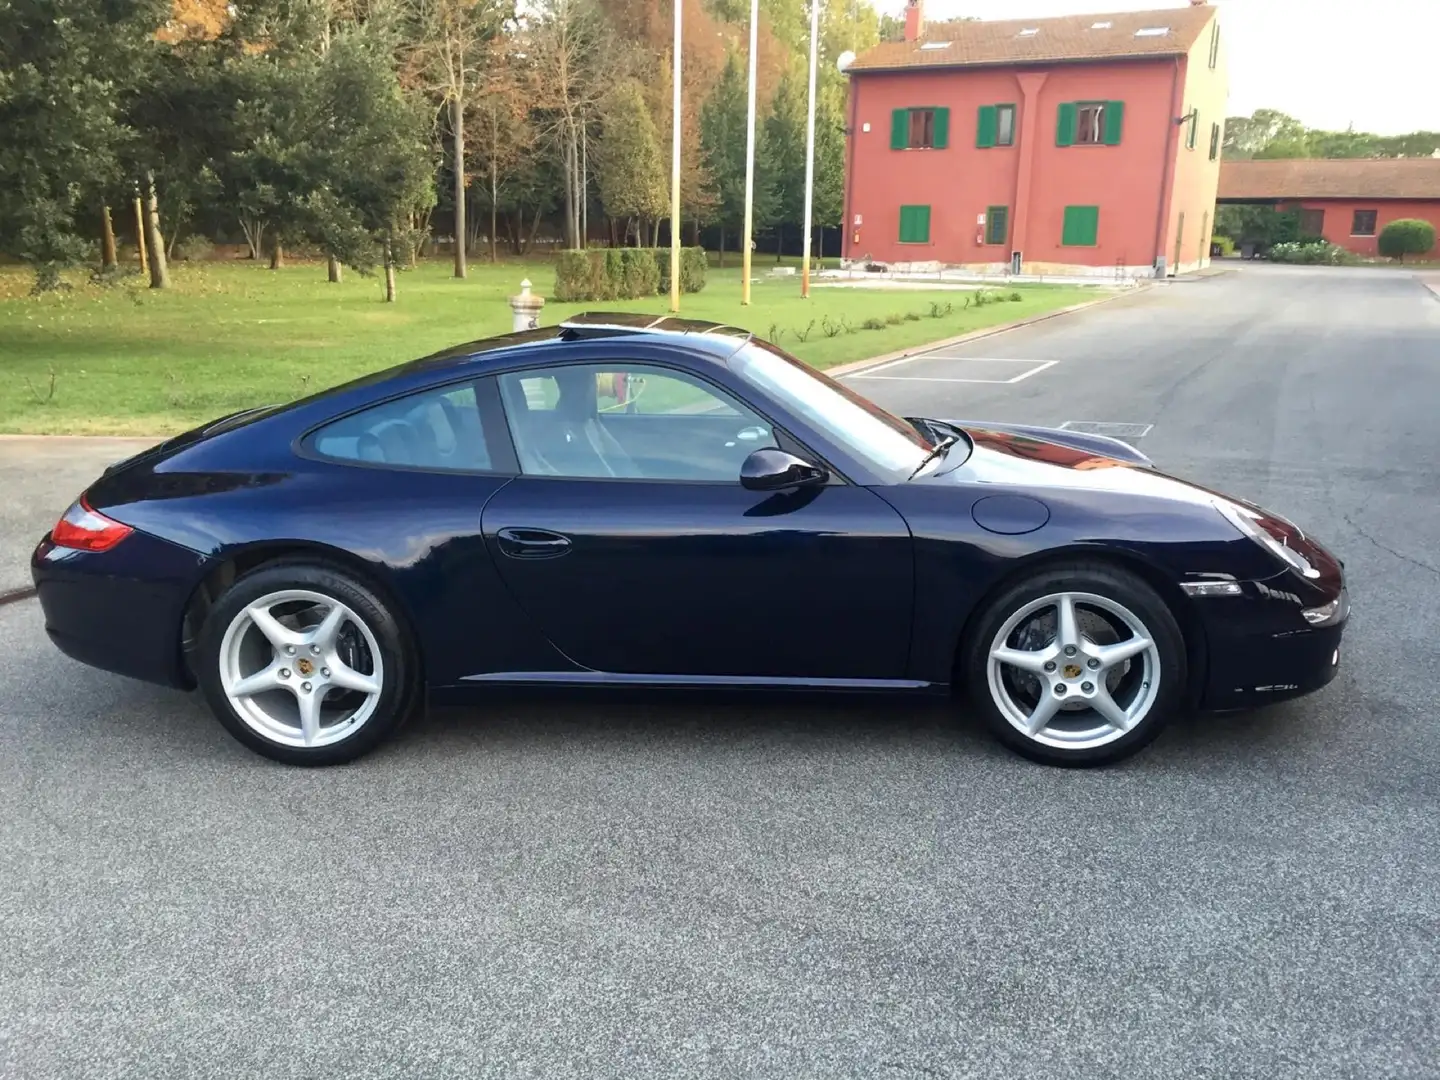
(128, 360)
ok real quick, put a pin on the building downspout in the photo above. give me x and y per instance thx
(1167, 176)
(847, 215)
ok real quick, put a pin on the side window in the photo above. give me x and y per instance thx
(435, 429)
(628, 421)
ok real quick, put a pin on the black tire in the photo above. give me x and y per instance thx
(401, 689)
(1104, 580)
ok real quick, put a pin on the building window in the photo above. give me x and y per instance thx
(1191, 124)
(1312, 222)
(1082, 226)
(1214, 141)
(995, 126)
(1090, 123)
(1363, 223)
(1214, 43)
(914, 224)
(920, 129)
(997, 224)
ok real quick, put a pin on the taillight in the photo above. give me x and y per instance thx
(87, 530)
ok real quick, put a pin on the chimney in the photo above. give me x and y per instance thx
(914, 19)
(1199, 3)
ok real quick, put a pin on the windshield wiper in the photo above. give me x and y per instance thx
(938, 450)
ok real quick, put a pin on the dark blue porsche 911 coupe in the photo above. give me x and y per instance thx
(631, 501)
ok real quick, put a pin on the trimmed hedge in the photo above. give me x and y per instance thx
(1407, 236)
(624, 273)
(693, 263)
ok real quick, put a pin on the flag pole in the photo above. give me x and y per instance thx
(675, 168)
(749, 161)
(810, 146)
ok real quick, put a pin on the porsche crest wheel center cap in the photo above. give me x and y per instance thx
(1072, 671)
(305, 667)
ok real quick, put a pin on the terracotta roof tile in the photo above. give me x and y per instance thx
(1331, 178)
(1071, 38)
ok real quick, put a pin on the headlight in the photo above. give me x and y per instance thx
(1268, 533)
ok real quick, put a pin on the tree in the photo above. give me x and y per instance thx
(500, 128)
(783, 162)
(1248, 136)
(1407, 236)
(449, 43)
(631, 174)
(722, 140)
(67, 69)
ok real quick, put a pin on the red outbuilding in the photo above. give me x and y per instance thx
(1085, 144)
(1347, 201)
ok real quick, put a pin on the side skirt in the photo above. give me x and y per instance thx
(698, 682)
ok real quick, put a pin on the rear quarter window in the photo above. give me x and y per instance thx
(438, 429)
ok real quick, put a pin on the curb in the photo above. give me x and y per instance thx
(12, 596)
(976, 335)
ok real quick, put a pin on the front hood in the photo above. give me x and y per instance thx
(1036, 457)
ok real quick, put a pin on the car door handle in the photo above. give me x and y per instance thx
(532, 543)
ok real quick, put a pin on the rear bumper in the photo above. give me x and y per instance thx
(1260, 649)
(119, 610)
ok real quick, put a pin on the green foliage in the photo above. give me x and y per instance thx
(639, 274)
(722, 145)
(630, 172)
(1312, 252)
(1227, 245)
(693, 265)
(572, 276)
(68, 70)
(1262, 226)
(1268, 133)
(782, 170)
(1407, 236)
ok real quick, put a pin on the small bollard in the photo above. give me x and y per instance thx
(526, 308)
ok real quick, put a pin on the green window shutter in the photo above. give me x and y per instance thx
(914, 224)
(987, 126)
(1065, 126)
(942, 128)
(997, 224)
(1082, 226)
(899, 129)
(1114, 122)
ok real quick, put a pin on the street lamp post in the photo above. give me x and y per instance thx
(749, 161)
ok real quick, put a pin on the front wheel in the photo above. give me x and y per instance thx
(1077, 665)
(305, 665)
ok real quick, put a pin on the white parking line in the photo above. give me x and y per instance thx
(1040, 365)
(1114, 428)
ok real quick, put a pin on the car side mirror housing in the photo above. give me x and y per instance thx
(775, 470)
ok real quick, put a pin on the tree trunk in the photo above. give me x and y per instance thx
(389, 272)
(159, 269)
(779, 242)
(333, 271)
(494, 198)
(457, 125)
(694, 233)
(534, 228)
(722, 246)
(571, 240)
(108, 259)
(277, 254)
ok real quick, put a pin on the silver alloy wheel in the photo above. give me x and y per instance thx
(1074, 670)
(293, 665)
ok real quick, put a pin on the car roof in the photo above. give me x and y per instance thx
(717, 340)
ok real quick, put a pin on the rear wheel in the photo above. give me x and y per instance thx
(1077, 665)
(306, 665)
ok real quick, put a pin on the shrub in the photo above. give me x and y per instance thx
(1015, 297)
(1408, 236)
(873, 323)
(692, 268)
(194, 248)
(894, 319)
(639, 276)
(1311, 253)
(912, 316)
(572, 276)
(1226, 244)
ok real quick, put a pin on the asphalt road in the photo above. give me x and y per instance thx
(667, 887)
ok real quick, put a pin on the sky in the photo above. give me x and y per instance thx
(1328, 63)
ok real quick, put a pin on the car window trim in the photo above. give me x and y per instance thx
(782, 434)
(303, 446)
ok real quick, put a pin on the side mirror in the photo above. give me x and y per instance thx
(773, 470)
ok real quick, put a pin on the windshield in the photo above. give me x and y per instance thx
(862, 427)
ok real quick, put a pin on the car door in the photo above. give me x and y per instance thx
(631, 542)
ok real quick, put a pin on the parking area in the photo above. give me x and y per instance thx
(692, 885)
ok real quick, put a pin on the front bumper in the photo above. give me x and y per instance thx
(1261, 649)
(119, 610)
